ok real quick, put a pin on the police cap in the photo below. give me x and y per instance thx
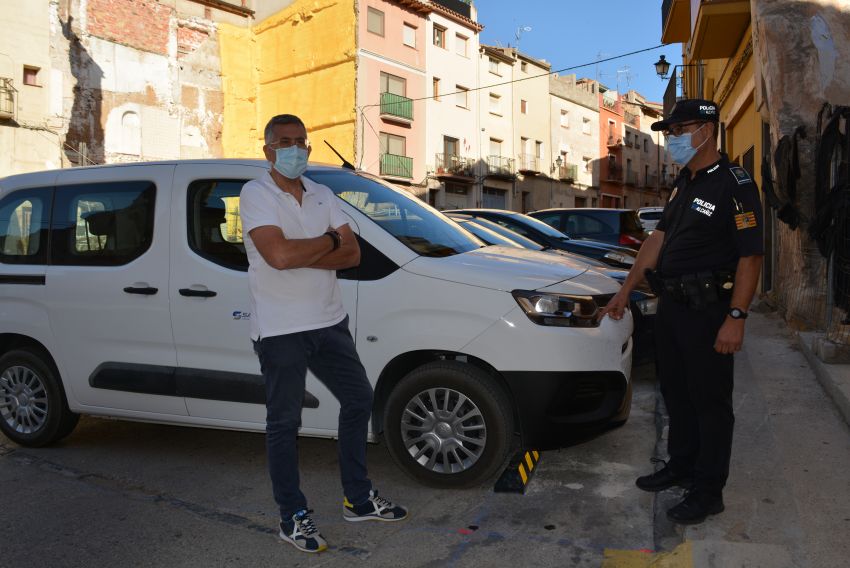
(688, 110)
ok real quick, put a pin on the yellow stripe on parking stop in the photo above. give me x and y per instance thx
(528, 461)
(523, 475)
(680, 557)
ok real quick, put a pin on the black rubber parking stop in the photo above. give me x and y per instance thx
(516, 476)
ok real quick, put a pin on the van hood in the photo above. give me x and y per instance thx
(500, 268)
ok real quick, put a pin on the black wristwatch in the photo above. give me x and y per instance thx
(738, 314)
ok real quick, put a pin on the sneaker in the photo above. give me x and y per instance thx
(374, 509)
(695, 508)
(301, 532)
(664, 478)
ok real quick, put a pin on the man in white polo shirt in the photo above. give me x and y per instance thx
(297, 238)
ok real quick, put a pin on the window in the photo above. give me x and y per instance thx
(495, 147)
(460, 44)
(31, 76)
(439, 36)
(392, 144)
(462, 96)
(523, 67)
(538, 149)
(24, 222)
(131, 134)
(523, 106)
(494, 66)
(102, 224)
(375, 21)
(588, 163)
(585, 125)
(436, 89)
(565, 119)
(214, 227)
(495, 104)
(646, 144)
(450, 146)
(393, 84)
(409, 35)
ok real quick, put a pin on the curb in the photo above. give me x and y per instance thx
(824, 377)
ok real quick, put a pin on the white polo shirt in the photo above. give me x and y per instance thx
(297, 299)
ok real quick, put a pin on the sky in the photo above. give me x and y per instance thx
(573, 32)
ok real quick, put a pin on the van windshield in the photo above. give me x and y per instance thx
(418, 226)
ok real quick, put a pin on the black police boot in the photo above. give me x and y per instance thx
(695, 508)
(664, 478)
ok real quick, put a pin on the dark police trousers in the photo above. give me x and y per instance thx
(284, 359)
(696, 383)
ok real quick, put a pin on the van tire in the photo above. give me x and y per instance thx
(25, 372)
(485, 403)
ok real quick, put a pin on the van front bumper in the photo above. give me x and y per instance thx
(555, 408)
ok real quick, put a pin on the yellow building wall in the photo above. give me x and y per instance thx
(299, 61)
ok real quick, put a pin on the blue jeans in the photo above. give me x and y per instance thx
(330, 354)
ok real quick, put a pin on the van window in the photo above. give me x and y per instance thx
(102, 224)
(405, 217)
(214, 226)
(24, 221)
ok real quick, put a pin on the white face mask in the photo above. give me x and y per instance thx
(291, 162)
(681, 148)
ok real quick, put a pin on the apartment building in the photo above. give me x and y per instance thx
(649, 170)
(612, 171)
(497, 168)
(453, 133)
(574, 127)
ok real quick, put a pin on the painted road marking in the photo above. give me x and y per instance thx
(680, 557)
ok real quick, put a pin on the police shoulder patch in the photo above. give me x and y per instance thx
(740, 174)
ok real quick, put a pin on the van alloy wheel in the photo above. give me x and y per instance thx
(23, 400)
(443, 430)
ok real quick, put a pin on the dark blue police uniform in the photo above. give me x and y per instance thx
(710, 222)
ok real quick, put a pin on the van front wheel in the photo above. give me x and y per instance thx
(449, 424)
(33, 409)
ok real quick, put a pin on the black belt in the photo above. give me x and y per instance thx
(697, 290)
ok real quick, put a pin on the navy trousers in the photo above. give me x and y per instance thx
(330, 354)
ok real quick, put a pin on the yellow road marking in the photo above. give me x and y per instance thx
(680, 557)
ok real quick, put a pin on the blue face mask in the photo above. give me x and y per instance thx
(680, 148)
(291, 162)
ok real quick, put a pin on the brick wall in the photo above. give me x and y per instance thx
(142, 24)
(189, 39)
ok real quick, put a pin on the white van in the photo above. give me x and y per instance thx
(124, 293)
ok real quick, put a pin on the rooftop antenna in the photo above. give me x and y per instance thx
(599, 55)
(518, 35)
(626, 72)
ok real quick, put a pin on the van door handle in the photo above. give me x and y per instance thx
(145, 290)
(197, 293)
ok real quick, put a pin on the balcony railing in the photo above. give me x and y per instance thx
(452, 165)
(631, 177)
(614, 173)
(568, 172)
(396, 106)
(7, 98)
(500, 166)
(396, 166)
(529, 163)
(651, 181)
(614, 141)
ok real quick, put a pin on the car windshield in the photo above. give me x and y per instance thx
(542, 227)
(421, 228)
(506, 233)
(485, 234)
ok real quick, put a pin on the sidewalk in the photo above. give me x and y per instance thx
(835, 379)
(788, 496)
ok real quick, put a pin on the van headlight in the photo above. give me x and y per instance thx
(562, 310)
(648, 306)
(619, 257)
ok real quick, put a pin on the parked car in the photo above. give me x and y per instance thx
(642, 301)
(615, 226)
(649, 217)
(124, 293)
(548, 237)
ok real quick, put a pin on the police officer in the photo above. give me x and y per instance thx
(704, 260)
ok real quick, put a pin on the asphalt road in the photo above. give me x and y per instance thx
(132, 494)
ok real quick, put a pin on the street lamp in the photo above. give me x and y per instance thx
(558, 163)
(662, 66)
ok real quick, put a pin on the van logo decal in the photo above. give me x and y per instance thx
(237, 315)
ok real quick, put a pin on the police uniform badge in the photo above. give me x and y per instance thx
(745, 220)
(740, 175)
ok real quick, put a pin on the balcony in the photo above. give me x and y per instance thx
(499, 166)
(675, 21)
(568, 173)
(7, 99)
(631, 119)
(631, 177)
(529, 163)
(611, 104)
(614, 142)
(719, 27)
(396, 166)
(397, 108)
(450, 165)
(651, 181)
(614, 173)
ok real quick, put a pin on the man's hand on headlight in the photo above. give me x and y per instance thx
(616, 307)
